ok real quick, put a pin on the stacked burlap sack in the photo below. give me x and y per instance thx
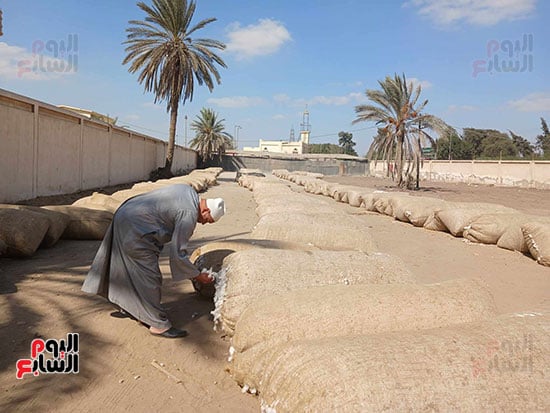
(498, 364)
(23, 229)
(254, 273)
(345, 330)
(475, 221)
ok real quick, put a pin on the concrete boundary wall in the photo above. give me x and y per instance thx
(45, 150)
(320, 163)
(527, 174)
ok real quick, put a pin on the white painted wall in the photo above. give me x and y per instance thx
(528, 174)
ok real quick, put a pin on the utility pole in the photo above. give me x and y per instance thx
(236, 134)
(419, 155)
(450, 145)
(185, 131)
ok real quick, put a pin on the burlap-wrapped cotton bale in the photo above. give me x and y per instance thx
(326, 188)
(489, 228)
(312, 187)
(215, 170)
(57, 223)
(254, 273)
(497, 365)
(339, 192)
(353, 193)
(210, 256)
(292, 176)
(249, 171)
(198, 183)
(383, 202)
(143, 187)
(279, 173)
(262, 188)
(303, 180)
(22, 231)
(264, 196)
(315, 175)
(282, 206)
(84, 223)
(209, 178)
(318, 312)
(99, 201)
(337, 232)
(512, 238)
(355, 196)
(245, 181)
(125, 194)
(433, 223)
(416, 209)
(457, 218)
(369, 199)
(537, 238)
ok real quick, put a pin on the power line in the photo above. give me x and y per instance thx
(147, 129)
(336, 133)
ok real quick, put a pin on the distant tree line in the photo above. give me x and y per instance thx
(345, 145)
(492, 144)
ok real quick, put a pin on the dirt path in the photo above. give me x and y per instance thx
(40, 297)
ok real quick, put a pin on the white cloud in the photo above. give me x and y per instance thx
(353, 97)
(534, 102)
(236, 101)
(18, 63)
(461, 108)
(278, 117)
(264, 38)
(423, 83)
(281, 98)
(475, 12)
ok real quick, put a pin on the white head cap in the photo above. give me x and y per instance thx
(216, 207)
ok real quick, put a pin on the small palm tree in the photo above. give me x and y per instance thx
(396, 112)
(169, 60)
(210, 137)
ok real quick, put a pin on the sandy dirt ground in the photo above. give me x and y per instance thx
(124, 368)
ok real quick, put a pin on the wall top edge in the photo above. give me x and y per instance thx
(30, 101)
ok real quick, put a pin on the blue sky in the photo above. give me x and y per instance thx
(283, 55)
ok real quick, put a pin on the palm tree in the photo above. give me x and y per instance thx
(396, 112)
(210, 137)
(169, 60)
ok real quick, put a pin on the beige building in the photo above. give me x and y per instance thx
(281, 146)
(90, 114)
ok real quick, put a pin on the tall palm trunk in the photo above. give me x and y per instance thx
(399, 157)
(172, 136)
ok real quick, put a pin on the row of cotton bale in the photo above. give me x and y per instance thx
(475, 221)
(317, 326)
(24, 229)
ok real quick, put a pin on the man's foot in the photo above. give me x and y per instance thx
(171, 332)
(121, 314)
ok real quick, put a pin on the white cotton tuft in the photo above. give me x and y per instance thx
(231, 354)
(266, 408)
(219, 296)
(211, 273)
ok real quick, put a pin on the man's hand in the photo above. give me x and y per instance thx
(204, 278)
